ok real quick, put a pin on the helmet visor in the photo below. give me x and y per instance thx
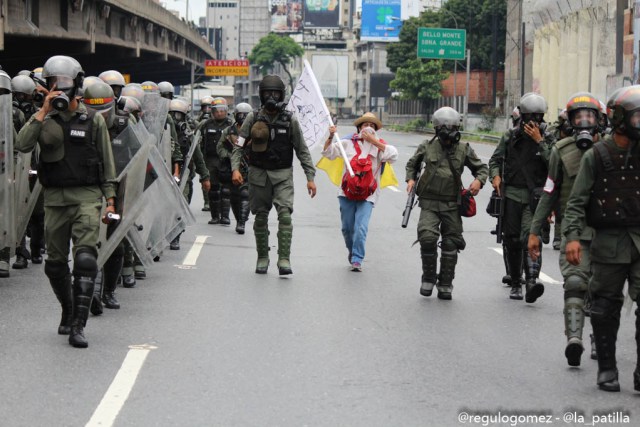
(584, 118)
(62, 83)
(275, 94)
(634, 120)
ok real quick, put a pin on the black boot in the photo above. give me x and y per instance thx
(514, 259)
(82, 293)
(605, 319)
(225, 206)
(429, 256)
(448, 261)
(214, 205)
(175, 243)
(96, 301)
(112, 270)
(506, 279)
(243, 216)
(534, 289)
(62, 289)
(20, 263)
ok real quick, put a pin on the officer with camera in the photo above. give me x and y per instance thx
(274, 134)
(583, 118)
(519, 167)
(77, 171)
(605, 197)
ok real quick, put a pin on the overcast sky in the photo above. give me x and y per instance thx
(196, 7)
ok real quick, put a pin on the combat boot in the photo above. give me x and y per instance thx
(448, 261)
(225, 206)
(82, 293)
(61, 284)
(215, 210)
(573, 323)
(516, 291)
(605, 319)
(429, 254)
(96, 307)
(111, 273)
(534, 289)
(5, 257)
(261, 233)
(243, 216)
(285, 231)
(175, 243)
(20, 263)
(514, 259)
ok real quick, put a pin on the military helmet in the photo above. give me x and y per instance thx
(129, 105)
(446, 116)
(611, 102)
(241, 111)
(626, 112)
(532, 103)
(5, 83)
(23, 84)
(271, 82)
(219, 103)
(165, 88)
(37, 73)
(90, 80)
(24, 73)
(65, 71)
(150, 87)
(112, 78)
(576, 105)
(134, 90)
(207, 100)
(179, 105)
(99, 96)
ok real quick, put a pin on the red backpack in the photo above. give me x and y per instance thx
(363, 182)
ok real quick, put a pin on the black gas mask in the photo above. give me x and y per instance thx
(584, 121)
(240, 118)
(67, 86)
(23, 102)
(272, 100)
(449, 135)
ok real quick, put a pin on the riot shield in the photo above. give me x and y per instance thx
(165, 212)
(26, 194)
(154, 114)
(7, 197)
(125, 146)
(165, 147)
(130, 187)
(186, 170)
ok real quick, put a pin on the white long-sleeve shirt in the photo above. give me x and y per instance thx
(389, 155)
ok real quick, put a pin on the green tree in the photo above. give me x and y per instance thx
(419, 79)
(401, 52)
(275, 49)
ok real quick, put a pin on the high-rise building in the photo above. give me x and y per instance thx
(223, 22)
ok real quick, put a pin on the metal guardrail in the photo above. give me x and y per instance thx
(475, 136)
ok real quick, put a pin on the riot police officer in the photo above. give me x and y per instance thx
(605, 197)
(238, 196)
(166, 90)
(76, 170)
(114, 79)
(583, 115)
(275, 135)
(439, 191)
(518, 169)
(211, 131)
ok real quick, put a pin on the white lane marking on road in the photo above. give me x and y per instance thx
(194, 252)
(118, 392)
(545, 278)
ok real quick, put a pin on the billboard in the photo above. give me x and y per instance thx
(381, 20)
(286, 16)
(322, 13)
(332, 73)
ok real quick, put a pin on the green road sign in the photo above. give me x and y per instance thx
(442, 43)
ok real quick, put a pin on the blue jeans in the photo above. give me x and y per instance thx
(355, 217)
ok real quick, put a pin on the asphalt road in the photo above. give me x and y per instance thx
(213, 344)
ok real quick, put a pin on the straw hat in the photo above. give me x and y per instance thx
(368, 117)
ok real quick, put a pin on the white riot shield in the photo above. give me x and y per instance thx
(129, 192)
(165, 147)
(26, 196)
(154, 114)
(186, 170)
(7, 197)
(165, 212)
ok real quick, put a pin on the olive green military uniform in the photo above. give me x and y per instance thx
(238, 195)
(605, 196)
(564, 164)
(523, 165)
(438, 191)
(273, 186)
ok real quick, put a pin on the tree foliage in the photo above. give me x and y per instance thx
(275, 49)
(419, 79)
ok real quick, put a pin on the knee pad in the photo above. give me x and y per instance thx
(448, 245)
(244, 194)
(85, 263)
(430, 247)
(225, 192)
(262, 219)
(284, 216)
(603, 309)
(575, 287)
(55, 270)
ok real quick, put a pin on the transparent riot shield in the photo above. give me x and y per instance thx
(7, 197)
(165, 147)
(154, 114)
(165, 212)
(129, 191)
(125, 146)
(186, 170)
(27, 190)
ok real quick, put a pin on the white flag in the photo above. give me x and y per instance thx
(307, 103)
